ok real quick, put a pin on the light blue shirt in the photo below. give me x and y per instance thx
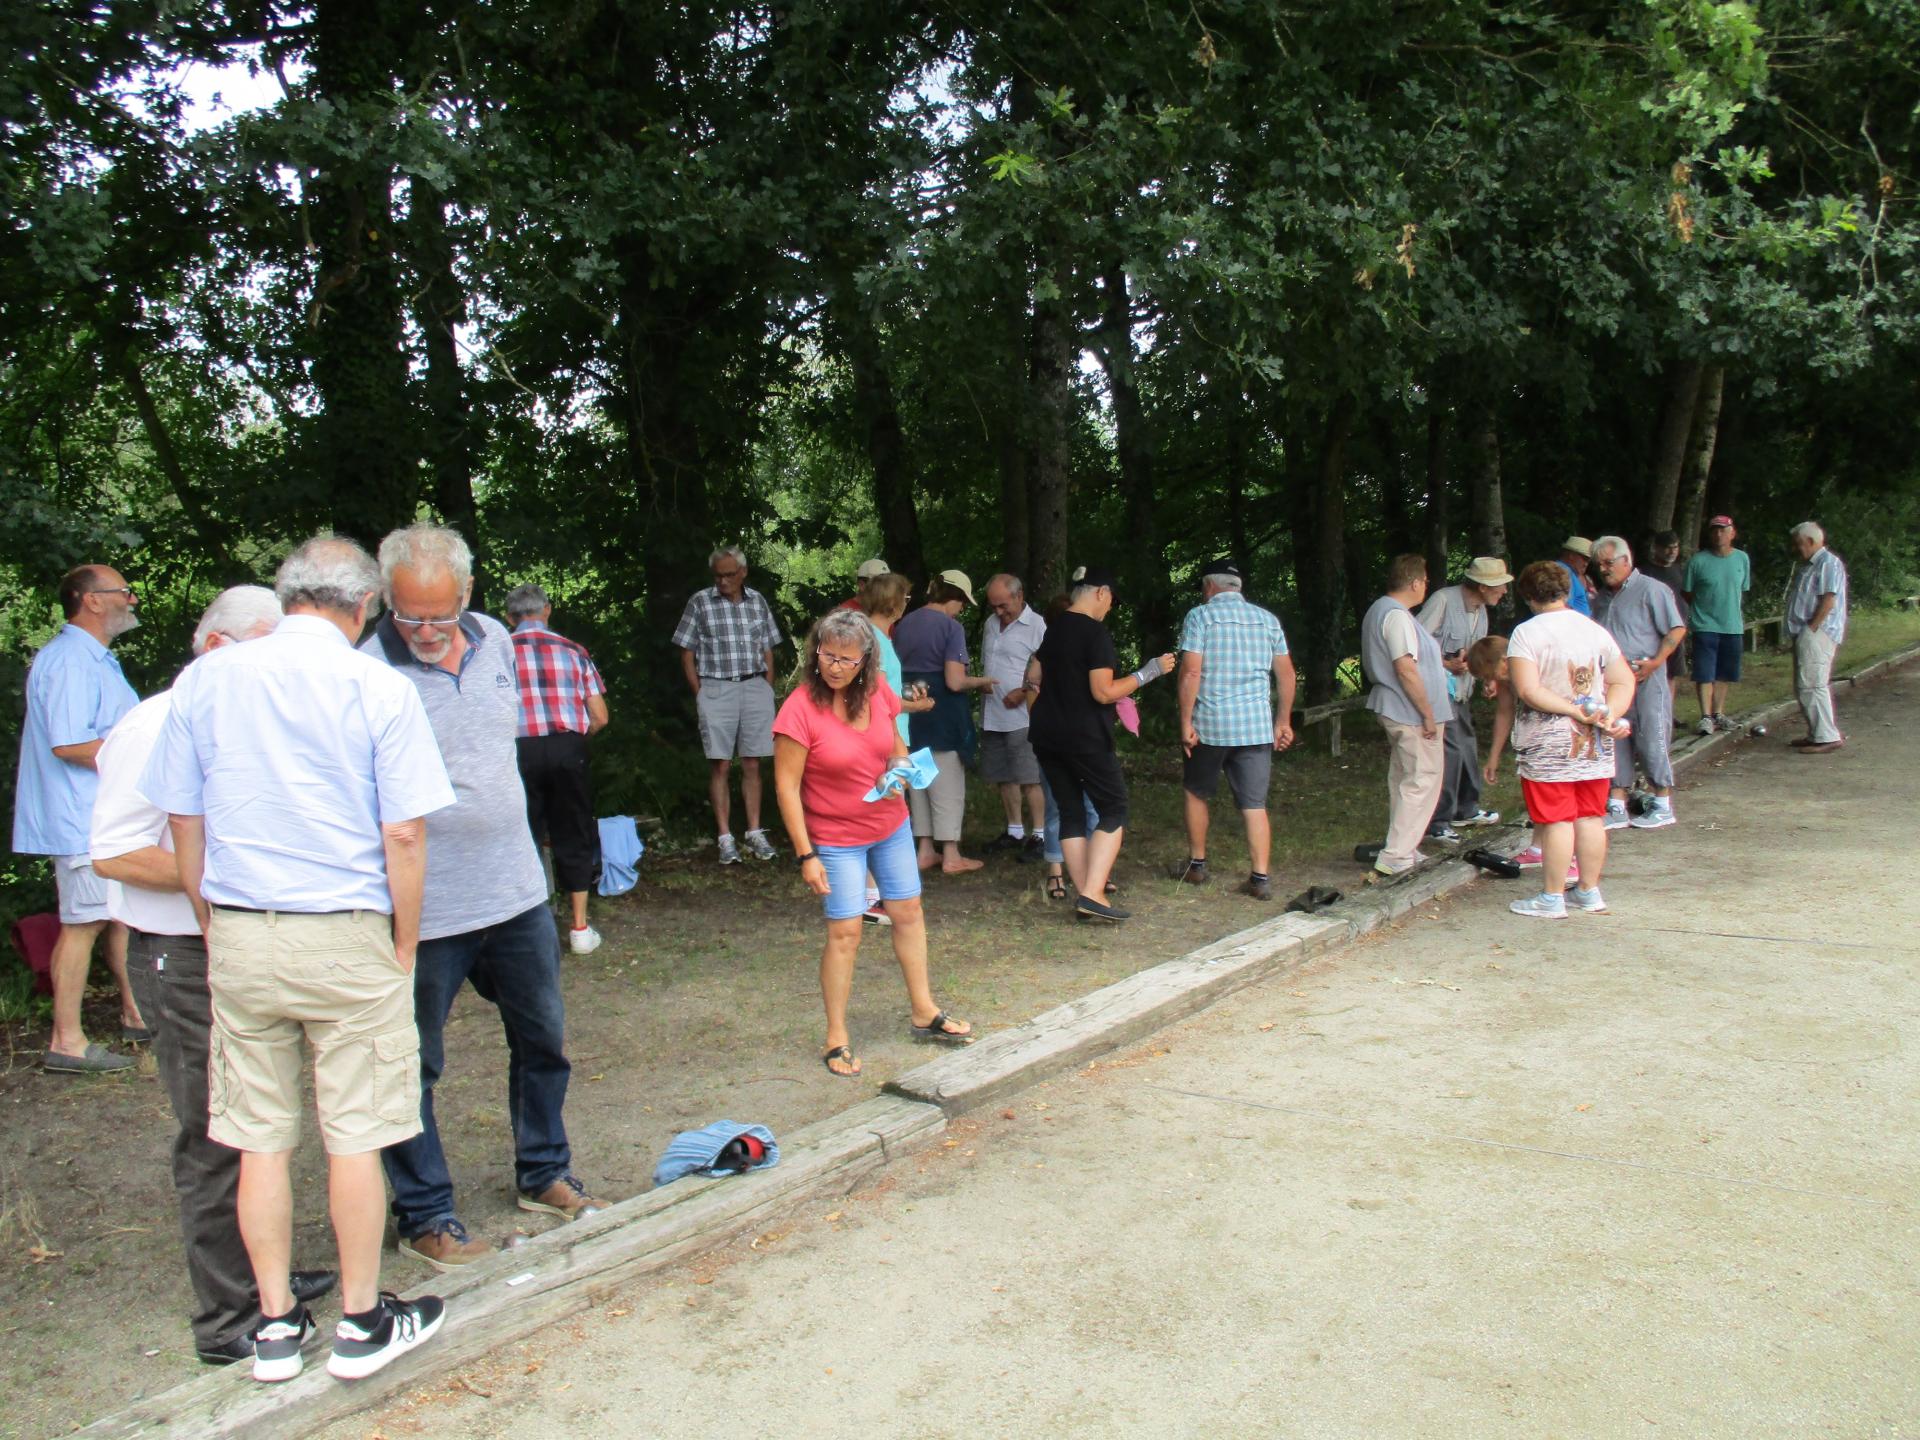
(1237, 643)
(890, 667)
(1577, 599)
(75, 694)
(296, 749)
(1822, 575)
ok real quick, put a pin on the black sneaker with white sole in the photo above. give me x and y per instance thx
(403, 1325)
(277, 1342)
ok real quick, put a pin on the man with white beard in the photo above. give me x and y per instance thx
(483, 915)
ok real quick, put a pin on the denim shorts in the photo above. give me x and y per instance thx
(1716, 658)
(892, 861)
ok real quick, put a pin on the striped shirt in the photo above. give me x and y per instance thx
(1822, 575)
(1237, 643)
(728, 638)
(557, 677)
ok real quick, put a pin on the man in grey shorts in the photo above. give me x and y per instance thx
(1007, 643)
(1230, 650)
(1644, 620)
(726, 638)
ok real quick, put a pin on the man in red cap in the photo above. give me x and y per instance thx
(1715, 585)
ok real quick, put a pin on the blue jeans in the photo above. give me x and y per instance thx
(891, 861)
(1054, 854)
(514, 965)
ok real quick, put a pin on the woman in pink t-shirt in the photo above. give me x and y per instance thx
(832, 742)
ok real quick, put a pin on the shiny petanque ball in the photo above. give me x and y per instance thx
(1757, 730)
(514, 1242)
(587, 1212)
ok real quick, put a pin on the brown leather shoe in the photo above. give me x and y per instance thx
(565, 1197)
(445, 1247)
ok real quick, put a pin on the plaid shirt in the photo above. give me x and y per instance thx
(728, 640)
(556, 677)
(1237, 643)
(1822, 575)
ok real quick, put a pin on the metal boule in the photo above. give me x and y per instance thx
(1758, 730)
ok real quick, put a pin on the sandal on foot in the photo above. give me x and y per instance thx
(936, 1030)
(844, 1054)
(1056, 887)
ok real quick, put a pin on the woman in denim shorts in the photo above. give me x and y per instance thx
(833, 742)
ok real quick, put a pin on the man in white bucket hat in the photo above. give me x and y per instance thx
(1456, 616)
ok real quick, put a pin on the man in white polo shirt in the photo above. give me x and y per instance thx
(297, 775)
(1007, 642)
(167, 966)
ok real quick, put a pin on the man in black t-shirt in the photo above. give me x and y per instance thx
(1072, 733)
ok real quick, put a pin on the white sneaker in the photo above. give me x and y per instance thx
(1480, 818)
(758, 845)
(729, 850)
(876, 914)
(1721, 722)
(1617, 815)
(1659, 812)
(583, 941)
(1589, 900)
(1705, 727)
(1541, 907)
(1384, 866)
(405, 1325)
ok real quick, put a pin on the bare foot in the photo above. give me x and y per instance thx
(927, 862)
(960, 865)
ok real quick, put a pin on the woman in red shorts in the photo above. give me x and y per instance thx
(1569, 682)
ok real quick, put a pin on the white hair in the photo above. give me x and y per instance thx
(526, 601)
(1615, 544)
(328, 572)
(731, 552)
(1807, 530)
(424, 549)
(1011, 584)
(245, 612)
(1222, 582)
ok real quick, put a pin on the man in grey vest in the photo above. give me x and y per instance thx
(1643, 616)
(1403, 664)
(1457, 617)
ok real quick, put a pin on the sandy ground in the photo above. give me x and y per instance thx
(1646, 1173)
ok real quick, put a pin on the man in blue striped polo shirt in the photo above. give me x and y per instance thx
(1231, 653)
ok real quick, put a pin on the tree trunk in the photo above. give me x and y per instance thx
(1723, 478)
(1143, 566)
(364, 446)
(1670, 445)
(1439, 543)
(1700, 447)
(1323, 565)
(1396, 514)
(1050, 380)
(1487, 504)
(1012, 447)
(878, 416)
(438, 308)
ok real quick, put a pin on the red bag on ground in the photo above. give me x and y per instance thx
(33, 940)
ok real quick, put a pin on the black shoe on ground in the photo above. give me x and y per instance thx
(232, 1353)
(1085, 909)
(1259, 887)
(309, 1285)
(1033, 850)
(403, 1325)
(1003, 841)
(277, 1342)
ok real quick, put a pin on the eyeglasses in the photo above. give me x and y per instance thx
(727, 574)
(126, 590)
(447, 624)
(840, 662)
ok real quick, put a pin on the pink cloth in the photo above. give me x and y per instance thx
(1127, 713)
(842, 765)
(34, 936)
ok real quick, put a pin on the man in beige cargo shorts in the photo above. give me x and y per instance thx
(296, 777)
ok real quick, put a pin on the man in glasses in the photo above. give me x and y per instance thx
(483, 912)
(726, 637)
(1644, 619)
(76, 693)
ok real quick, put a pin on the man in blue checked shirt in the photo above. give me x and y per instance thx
(1817, 622)
(75, 695)
(1230, 649)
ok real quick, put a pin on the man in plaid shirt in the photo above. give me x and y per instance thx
(562, 702)
(726, 638)
(1229, 649)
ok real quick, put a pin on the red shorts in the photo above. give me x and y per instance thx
(1557, 802)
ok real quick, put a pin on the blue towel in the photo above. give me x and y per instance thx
(917, 770)
(620, 852)
(694, 1151)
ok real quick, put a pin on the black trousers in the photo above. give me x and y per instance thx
(169, 978)
(559, 785)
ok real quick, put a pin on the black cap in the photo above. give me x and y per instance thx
(1100, 575)
(1223, 566)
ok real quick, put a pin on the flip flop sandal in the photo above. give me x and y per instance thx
(936, 1031)
(845, 1054)
(1056, 887)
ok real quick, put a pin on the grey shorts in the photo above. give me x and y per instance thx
(1249, 770)
(736, 717)
(83, 894)
(1006, 758)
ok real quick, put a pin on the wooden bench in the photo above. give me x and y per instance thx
(1330, 715)
(1768, 631)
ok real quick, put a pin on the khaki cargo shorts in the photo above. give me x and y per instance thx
(278, 978)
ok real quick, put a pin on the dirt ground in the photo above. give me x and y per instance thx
(702, 1005)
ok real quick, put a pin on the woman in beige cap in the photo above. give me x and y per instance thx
(1456, 616)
